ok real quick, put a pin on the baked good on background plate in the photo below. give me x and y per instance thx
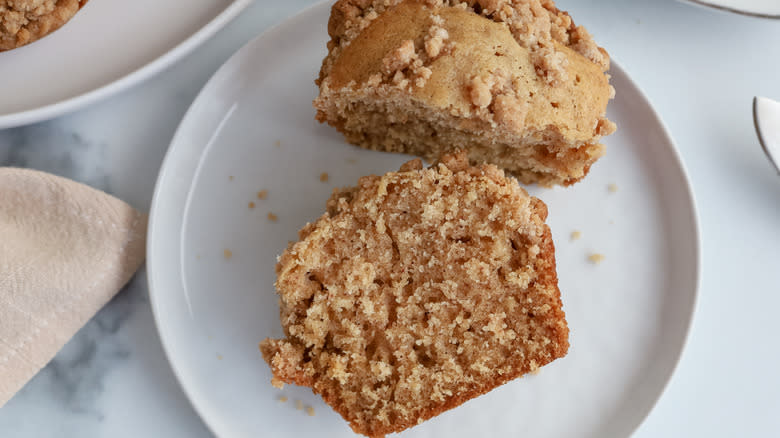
(417, 291)
(513, 82)
(25, 21)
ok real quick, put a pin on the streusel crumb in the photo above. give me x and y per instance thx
(25, 21)
(416, 291)
(596, 258)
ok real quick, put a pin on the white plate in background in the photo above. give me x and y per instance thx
(758, 8)
(252, 128)
(108, 46)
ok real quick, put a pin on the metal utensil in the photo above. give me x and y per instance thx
(755, 8)
(766, 115)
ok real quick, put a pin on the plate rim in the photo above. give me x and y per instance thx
(686, 192)
(696, 240)
(140, 74)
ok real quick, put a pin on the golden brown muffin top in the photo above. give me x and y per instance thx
(519, 77)
(536, 25)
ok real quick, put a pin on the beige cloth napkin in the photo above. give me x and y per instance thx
(65, 250)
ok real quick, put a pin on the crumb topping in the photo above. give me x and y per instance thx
(406, 66)
(400, 58)
(436, 39)
(537, 25)
(15, 14)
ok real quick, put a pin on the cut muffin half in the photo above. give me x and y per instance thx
(514, 83)
(417, 291)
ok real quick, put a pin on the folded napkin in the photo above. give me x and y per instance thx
(65, 250)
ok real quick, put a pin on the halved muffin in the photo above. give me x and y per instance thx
(514, 83)
(417, 291)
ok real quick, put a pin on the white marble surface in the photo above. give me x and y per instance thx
(701, 70)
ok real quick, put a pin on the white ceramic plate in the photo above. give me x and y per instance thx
(252, 128)
(759, 8)
(108, 46)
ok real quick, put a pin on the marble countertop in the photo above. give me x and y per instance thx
(701, 70)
